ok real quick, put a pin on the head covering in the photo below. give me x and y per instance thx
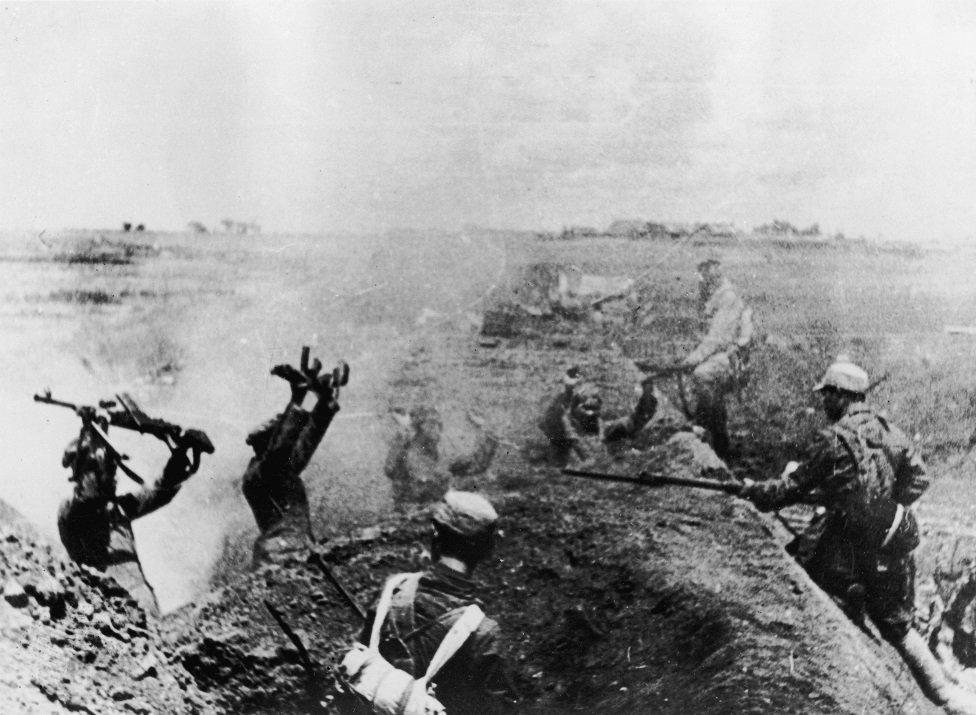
(844, 375)
(708, 263)
(259, 438)
(572, 376)
(465, 513)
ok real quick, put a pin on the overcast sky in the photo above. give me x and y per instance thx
(364, 116)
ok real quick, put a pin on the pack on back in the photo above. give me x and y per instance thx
(389, 690)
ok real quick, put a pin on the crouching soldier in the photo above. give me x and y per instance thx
(95, 523)
(574, 412)
(425, 605)
(865, 473)
(283, 447)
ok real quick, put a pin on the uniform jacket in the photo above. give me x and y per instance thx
(857, 468)
(96, 529)
(475, 680)
(730, 325)
(272, 484)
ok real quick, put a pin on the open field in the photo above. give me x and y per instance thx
(190, 326)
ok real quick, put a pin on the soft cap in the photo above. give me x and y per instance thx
(466, 513)
(844, 375)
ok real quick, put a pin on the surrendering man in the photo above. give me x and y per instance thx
(571, 414)
(417, 469)
(283, 447)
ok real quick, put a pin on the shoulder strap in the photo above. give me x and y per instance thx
(463, 627)
(383, 608)
(401, 605)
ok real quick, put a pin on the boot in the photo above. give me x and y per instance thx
(932, 678)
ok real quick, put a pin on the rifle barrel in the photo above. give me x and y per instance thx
(48, 400)
(316, 558)
(657, 480)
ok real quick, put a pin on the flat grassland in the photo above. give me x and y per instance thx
(190, 326)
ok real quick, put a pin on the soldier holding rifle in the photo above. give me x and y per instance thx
(95, 523)
(866, 474)
(718, 364)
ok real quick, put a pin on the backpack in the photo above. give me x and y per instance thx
(871, 515)
(387, 689)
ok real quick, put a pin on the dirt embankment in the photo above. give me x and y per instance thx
(613, 598)
(73, 641)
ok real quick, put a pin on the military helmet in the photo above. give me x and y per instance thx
(844, 375)
(709, 263)
(465, 513)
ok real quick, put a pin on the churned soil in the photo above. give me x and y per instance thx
(73, 641)
(613, 598)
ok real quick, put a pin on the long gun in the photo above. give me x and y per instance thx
(130, 417)
(652, 480)
(316, 559)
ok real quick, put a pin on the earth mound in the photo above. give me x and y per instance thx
(74, 641)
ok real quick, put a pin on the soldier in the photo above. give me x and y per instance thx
(575, 411)
(95, 523)
(425, 605)
(865, 473)
(720, 360)
(283, 447)
(414, 463)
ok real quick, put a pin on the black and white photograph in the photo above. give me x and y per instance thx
(438, 357)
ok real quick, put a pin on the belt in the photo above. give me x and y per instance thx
(895, 523)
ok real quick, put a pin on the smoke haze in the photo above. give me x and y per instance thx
(363, 116)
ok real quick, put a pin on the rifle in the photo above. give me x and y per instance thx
(303, 655)
(657, 370)
(677, 370)
(654, 480)
(316, 558)
(131, 417)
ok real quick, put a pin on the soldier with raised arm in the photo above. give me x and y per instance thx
(283, 447)
(95, 523)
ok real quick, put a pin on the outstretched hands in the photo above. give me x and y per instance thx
(307, 378)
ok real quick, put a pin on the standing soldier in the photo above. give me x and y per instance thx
(425, 605)
(718, 363)
(866, 474)
(283, 447)
(95, 523)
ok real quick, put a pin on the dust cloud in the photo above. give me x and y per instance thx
(190, 327)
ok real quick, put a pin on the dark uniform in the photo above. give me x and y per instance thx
(95, 524)
(423, 610)
(272, 483)
(575, 411)
(865, 472)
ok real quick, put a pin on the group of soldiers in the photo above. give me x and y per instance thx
(95, 525)
(863, 472)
